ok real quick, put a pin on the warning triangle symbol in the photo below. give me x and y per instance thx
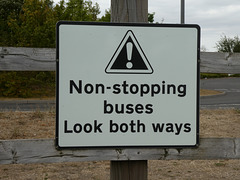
(129, 58)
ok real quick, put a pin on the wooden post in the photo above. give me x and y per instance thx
(128, 170)
(129, 11)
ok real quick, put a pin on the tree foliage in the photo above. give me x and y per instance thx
(35, 26)
(78, 10)
(27, 84)
(106, 17)
(8, 8)
(227, 44)
(31, 23)
(151, 17)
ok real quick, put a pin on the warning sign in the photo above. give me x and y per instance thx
(129, 58)
(127, 85)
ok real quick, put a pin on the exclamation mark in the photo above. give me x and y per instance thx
(129, 46)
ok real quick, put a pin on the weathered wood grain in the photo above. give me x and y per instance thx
(129, 11)
(44, 151)
(217, 62)
(44, 59)
(27, 59)
(134, 170)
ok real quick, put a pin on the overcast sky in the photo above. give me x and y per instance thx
(216, 17)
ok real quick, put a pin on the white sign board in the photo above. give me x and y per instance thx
(127, 85)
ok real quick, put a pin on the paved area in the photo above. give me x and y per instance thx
(27, 105)
(231, 89)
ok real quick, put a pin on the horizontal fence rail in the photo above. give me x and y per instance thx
(217, 62)
(27, 59)
(44, 59)
(44, 151)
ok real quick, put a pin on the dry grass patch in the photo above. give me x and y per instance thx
(27, 125)
(207, 92)
(57, 171)
(197, 169)
(157, 169)
(220, 123)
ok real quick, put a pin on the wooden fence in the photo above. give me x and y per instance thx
(44, 151)
(44, 59)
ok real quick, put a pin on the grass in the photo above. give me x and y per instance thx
(38, 115)
(214, 75)
(220, 164)
(206, 92)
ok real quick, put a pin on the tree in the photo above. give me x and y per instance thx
(59, 10)
(32, 23)
(106, 17)
(35, 26)
(227, 44)
(80, 10)
(151, 17)
(8, 7)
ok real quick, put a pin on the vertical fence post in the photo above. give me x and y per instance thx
(129, 11)
(128, 170)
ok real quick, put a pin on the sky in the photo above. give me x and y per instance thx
(215, 17)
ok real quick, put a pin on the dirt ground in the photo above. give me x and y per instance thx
(29, 125)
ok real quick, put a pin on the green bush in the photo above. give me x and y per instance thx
(27, 84)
